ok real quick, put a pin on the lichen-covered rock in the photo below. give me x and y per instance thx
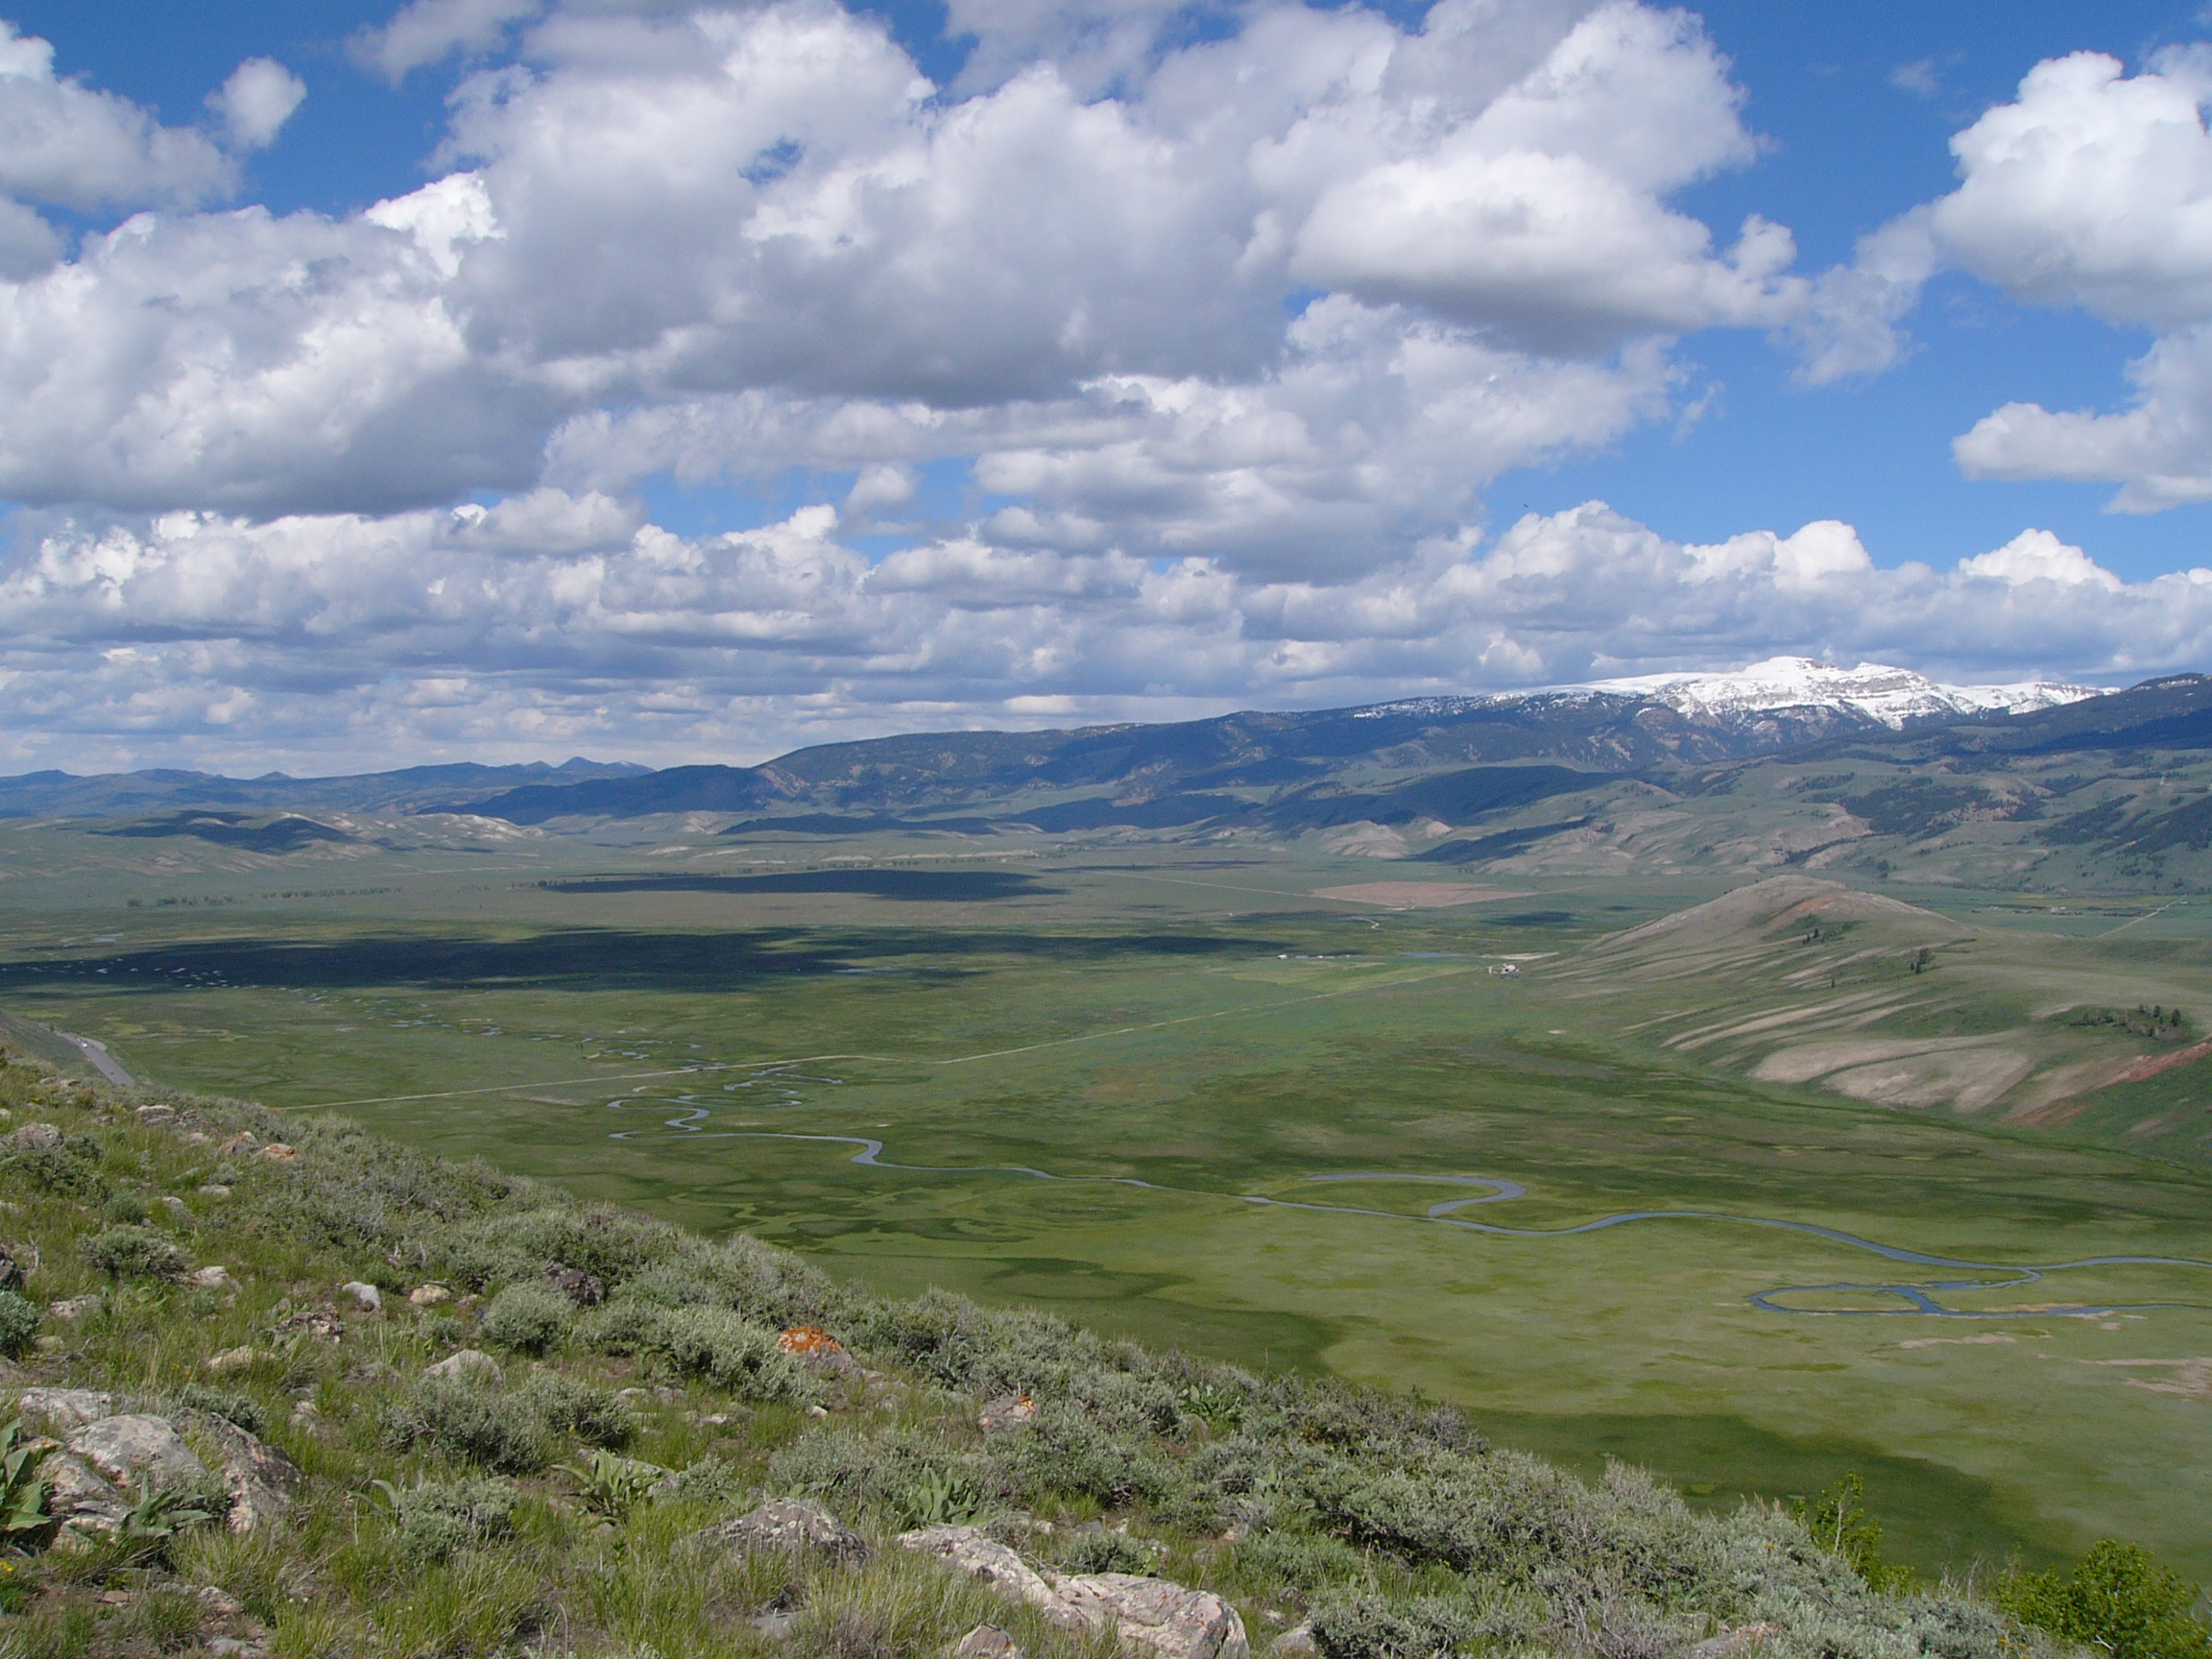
(135, 1447)
(787, 1525)
(972, 1550)
(986, 1642)
(1173, 1622)
(469, 1365)
(60, 1411)
(1007, 1412)
(212, 1278)
(319, 1323)
(76, 1495)
(155, 1116)
(261, 1479)
(32, 1137)
(1295, 1642)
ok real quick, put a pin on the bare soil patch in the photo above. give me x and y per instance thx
(2191, 1380)
(1414, 895)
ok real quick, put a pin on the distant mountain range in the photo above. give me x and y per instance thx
(1434, 761)
(121, 794)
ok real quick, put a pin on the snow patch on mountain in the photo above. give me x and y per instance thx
(1892, 696)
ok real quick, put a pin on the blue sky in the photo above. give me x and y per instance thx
(607, 456)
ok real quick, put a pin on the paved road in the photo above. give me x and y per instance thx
(96, 1051)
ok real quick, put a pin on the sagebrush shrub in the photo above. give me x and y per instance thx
(610, 1245)
(585, 1411)
(1306, 1561)
(733, 1354)
(712, 1342)
(1370, 1626)
(497, 1428)
(134, 1253)
(124, 1209)
(894, 1472)
(528, 1317)
(434, 1518)
(70, 1167)
(18, 1323)
(1064, 1452)
(1101, 1549)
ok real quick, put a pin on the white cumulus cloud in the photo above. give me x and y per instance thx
(256, 101)
(1289, 294)
(74, 146)
(2091, 189)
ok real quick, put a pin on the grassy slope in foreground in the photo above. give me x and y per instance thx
(1387, 1522)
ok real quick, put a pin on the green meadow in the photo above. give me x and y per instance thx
(1174, 1092)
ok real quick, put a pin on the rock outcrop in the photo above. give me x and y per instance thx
(973, 1552)
(261, 1479)
(1171, 1621)
(986, 1642)
(469, 1365)
(61, 1411)
(786, 1524)
(1151, 1614)
(108, 1459)
(1007, 1412)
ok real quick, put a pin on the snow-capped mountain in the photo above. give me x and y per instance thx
(1893, 696)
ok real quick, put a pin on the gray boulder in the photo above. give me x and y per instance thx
(1007, 1412)
(1173, 1622)
(973, 1552)
(32, 1137)
(1295, 1642)
(469, 1365)
(59, 1411)
(986, 1642)
(585, 1290)
(261, 1479)
(84, 1503)
(786, 1524)
(135, 1447)
(320, 1323)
